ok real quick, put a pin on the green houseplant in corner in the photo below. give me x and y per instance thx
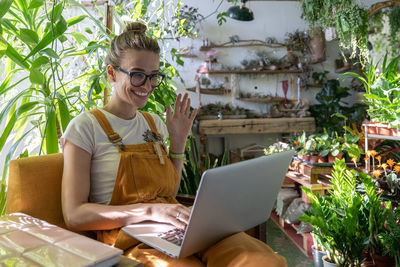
(338, 218)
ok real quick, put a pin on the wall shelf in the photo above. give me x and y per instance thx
(249, 71)
(262, 100)
(211, 91)
(257, 126)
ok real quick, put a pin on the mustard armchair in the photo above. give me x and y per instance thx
(34, 187)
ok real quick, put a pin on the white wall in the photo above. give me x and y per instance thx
(272, 19)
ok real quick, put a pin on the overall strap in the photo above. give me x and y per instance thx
(112, 136)
(150, 121)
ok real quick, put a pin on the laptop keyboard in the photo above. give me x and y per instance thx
(174, 236)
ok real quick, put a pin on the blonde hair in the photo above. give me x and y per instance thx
(133, 37)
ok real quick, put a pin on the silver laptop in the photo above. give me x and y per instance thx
(230, 199)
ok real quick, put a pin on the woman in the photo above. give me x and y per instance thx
(116, 170)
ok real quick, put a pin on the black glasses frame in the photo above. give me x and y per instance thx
(150, 76)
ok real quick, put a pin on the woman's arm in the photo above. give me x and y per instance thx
(80, 215)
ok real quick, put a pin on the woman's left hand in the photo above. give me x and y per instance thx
(179, 123)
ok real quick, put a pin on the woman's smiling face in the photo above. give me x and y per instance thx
(135, 61)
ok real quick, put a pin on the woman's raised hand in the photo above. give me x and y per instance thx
(179, 123)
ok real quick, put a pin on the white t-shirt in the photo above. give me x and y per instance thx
(85, 132)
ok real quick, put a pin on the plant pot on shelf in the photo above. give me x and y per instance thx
(327, 263)
(317, 257)
(395, 132)
(384, 130)
(331, 159)
(314, 158)
(322, 159)
(371, 128)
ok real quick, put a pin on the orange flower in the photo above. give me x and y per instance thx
(366, 159)
(390, 162)
(354, 160)
(384, 166)
(397, 168)
(373, 153)
(296, 143)
(377, 173)
(379, 158)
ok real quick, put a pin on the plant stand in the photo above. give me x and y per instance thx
(367, 136)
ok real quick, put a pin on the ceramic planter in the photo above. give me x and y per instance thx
(317, 257)
(327, 263)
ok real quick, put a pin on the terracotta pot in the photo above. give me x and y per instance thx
(314, 158)
(395, 132)
(322, 159)
(371, 129)
(382, 261)
(384, 131)
(305, 157)
(331, 159)
(317, 45)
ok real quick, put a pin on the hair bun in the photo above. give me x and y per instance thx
(136, 27)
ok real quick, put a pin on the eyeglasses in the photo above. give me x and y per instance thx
(140, 78)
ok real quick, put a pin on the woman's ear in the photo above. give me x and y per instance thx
(111, 73)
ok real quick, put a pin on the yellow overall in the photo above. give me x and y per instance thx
(146, 175)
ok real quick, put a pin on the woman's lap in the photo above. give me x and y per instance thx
(234, 251)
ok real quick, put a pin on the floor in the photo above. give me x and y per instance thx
(280, 243)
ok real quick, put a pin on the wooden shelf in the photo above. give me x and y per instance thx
(249, 71)
(262, 100)
(210, 91)
(257, 126)
(273, 45)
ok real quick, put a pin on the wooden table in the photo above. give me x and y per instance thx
(227, 128)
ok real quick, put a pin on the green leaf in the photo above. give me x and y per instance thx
(51, 133)
(8, 25)
(5, 6)
(51, 53)
(40, 61)
(59, 29)
(88, 30)
(65, 117)
(36, 76)
(62, 38)
(79, 37)
(75, 20)
(55, 13)
(16, 57)
(35, 4)
(11, 122)
(28, 36)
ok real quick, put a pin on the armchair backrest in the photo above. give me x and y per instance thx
(34, 187)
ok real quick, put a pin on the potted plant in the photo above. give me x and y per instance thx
(323, 147)
(319, 77)
(335, 150)
(338, 218)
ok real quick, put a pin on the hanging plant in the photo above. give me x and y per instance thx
(349, 19)
(394, 20)
(352, 29)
